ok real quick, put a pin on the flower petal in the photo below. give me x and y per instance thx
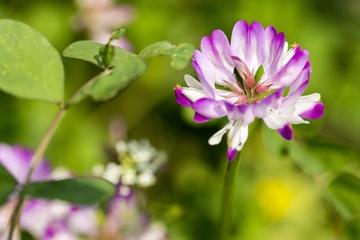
(210, 108)
(231, 153)
(286, 132)
(247, 43)
(206, 73)
(274, 49)
(286, 75)
(238, 135)
(274, 121)
(199, 118)
(317, 111)
(192, 82)
(181, 98)
(243, 111)
(193, 94)
(216, 138)
(217, 49)
(308, 104)
(262, 109)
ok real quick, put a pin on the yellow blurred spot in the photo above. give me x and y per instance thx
(177, 86)
(294, 45)
(274, 198)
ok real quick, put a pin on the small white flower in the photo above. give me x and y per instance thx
(112, 173)
(129, 177)
(146, 179)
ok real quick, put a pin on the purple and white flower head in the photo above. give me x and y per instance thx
(229, 84)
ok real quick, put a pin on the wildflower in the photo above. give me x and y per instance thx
(229, 83)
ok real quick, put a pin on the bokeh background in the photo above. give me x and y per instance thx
(281, 187)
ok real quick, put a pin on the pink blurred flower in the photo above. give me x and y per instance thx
(54, 219)
(101, 17)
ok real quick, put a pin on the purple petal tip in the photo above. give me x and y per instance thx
(316, 112)
(200, 118)
(231, 153)
(181, 98)
(286, 132)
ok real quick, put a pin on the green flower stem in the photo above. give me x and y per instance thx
(227, 198)
(35, 161)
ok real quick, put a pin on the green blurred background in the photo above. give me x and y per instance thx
(280, 190)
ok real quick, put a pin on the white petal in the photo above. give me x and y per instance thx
(306, 103)
(216, 138)
(274, 121)
(315, 97)
(295, 119)
(193, 94)
(192, 82)
(238, 135)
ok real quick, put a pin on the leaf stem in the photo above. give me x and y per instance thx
(35, 161)
(81, 93)
(227, 197)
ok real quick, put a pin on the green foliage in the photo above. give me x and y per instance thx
(345, 193)
(107, 51)
(352, 228)
(273, 142)
(80, 190)
(126, 68)
(179, 55)
(7, 184)
(314, 156)
(30, 67)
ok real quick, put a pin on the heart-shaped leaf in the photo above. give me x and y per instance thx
(30, 67)
(80, 190)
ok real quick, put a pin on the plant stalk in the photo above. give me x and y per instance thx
(35, 161)
(228, 197)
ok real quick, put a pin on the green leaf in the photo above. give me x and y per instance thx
(117, 33)
(273, 142)
(7, 184)
(30, 67)
(179, 55)
(322, 155)
(84, 50)
(345, 194)
(81, 190)
(107, 51)
(352, 228)
(332, 155)
(307, 161)
(126, 68)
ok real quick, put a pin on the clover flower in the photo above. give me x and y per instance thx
(245, 78)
